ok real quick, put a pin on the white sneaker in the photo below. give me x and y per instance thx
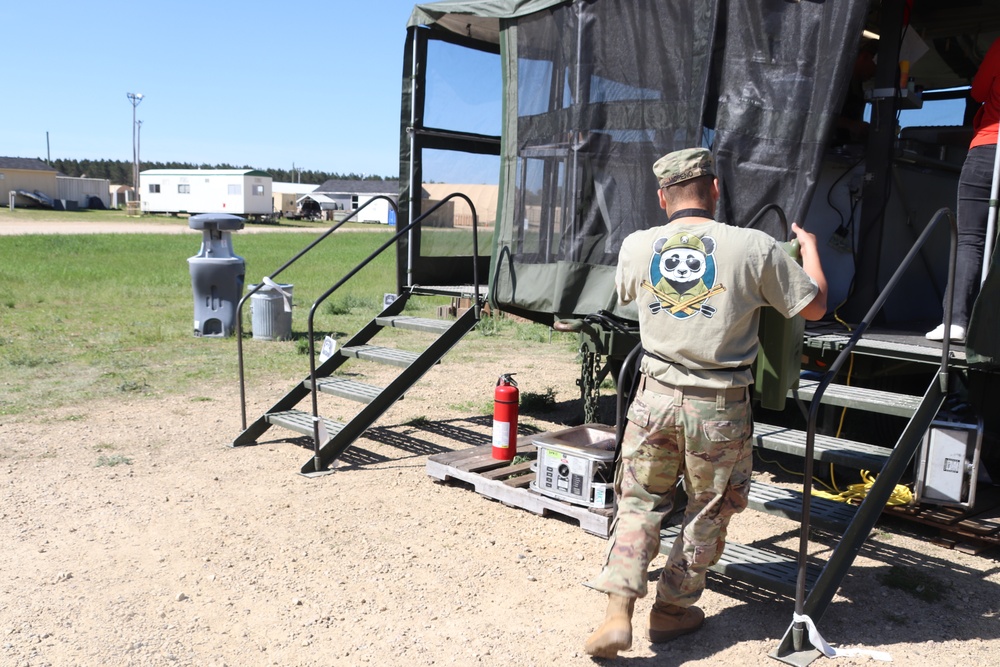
(957, 333)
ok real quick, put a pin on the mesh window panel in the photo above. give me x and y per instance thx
(603, 89)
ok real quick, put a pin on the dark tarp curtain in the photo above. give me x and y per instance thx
(781, 70)
(602, 89)
(596, 90)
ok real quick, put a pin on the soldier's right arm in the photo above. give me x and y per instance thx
(814, 269)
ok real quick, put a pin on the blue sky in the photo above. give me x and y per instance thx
(310, 83)
(268, 84)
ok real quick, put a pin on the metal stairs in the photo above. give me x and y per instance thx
(776, 572)
(814, 584)
(332, 438)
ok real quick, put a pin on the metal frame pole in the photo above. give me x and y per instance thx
(135, 99)
(991, 221)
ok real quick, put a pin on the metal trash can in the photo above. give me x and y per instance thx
(216, 275)
(271, 311)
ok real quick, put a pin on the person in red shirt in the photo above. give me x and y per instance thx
(974, 195)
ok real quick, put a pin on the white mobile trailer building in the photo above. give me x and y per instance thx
(235, 191)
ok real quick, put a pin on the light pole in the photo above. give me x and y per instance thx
(138, 148)
(135, 98)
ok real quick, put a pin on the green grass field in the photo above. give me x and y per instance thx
(91, 316)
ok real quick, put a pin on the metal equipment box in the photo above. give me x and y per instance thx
(577, 465)
(948, 464)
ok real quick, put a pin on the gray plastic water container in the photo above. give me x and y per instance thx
(269, 316)
(216, 275)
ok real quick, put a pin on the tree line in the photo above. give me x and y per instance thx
(120, 171)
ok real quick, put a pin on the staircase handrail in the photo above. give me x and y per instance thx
(350, 274)
(799, 627)
(272, 276)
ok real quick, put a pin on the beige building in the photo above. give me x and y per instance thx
(456, 213)
(285, 197)
(31, 181)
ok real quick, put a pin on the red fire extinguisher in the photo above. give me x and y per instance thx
(505, 400)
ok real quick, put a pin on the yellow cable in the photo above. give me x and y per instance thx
(843, 414)
(817, 480)
(837, 317)
(901, 494)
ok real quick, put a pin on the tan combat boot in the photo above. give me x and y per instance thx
(615, 633)
(668, 621)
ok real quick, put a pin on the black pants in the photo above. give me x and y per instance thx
(973, 211)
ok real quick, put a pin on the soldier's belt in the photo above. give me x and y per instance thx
(660, 387)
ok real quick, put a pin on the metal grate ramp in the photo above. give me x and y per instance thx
(873, 400)
(414, 323)
(347, 388)
(779, 501)
(380, 354)
(826, 448)
(301, 422)
(904, 346)
(336, 437)
(764, 569)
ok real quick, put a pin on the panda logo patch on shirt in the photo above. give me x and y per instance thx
(682, 275)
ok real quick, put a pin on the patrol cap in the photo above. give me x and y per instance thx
(683, 165)
(685, 240)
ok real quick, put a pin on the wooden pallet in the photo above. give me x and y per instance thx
(971, 530)
(509, 484)
(964, 530)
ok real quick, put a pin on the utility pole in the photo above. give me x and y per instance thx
(135, 99)
(138, 148)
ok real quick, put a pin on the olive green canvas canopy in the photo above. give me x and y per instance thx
(593, 92)
(477, 19)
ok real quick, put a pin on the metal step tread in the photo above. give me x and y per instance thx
(347, 388)
(873, 400)
(385, 355)
(743, 562)
(301, 422)
(886, 344)
(779, 501)
(414, 323)
(826, 448)
(466, 291)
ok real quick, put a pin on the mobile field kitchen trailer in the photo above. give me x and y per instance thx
(565, 105)
(245, 192)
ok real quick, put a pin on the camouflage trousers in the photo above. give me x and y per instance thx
(700, 436)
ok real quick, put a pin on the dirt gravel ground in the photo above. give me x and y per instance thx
(191, 552)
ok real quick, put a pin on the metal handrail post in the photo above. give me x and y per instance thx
(312, 311)
(991, 219)
(239, 306)
(798, 628)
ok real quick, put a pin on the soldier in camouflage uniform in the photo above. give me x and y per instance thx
(699, 285)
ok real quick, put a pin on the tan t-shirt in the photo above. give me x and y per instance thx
(699, 288)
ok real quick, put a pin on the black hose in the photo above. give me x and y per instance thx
(628, 384)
